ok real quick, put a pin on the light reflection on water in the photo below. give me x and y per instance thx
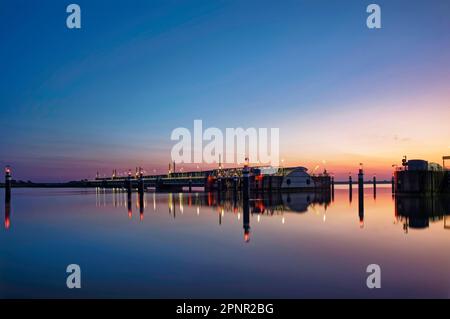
(189, 245)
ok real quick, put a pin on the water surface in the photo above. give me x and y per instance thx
(213, 246)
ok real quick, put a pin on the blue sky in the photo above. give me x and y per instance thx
(108, 95)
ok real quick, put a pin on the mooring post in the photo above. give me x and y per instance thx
(245, 197)
(374, 186)
(246, 207)
(361, 196)
(361, 178)
(350, 182)
(7, 184)
(128, 187)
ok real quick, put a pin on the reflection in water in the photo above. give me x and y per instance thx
(361, 207)
(374, 185)
(350, 194)
(246, 221)
(416, 212)
(261, 203)
(293, 253)
(141, 206)
(264, 203)
(130, 209)
(7, 215)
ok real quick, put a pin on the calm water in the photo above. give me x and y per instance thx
(200, 245)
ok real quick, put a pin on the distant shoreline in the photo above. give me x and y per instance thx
(75, 184)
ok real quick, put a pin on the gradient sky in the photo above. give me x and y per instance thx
(108, 96)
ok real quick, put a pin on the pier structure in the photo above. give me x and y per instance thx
(422, 177)
(222, 179)
(447, 172)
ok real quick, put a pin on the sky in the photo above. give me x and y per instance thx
(108, 95)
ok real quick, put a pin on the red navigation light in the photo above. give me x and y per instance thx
(7, 223)
(246, 237)
(7, 170)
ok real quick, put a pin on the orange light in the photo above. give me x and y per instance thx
(210, 199)
(7, 223)
(260, 206)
